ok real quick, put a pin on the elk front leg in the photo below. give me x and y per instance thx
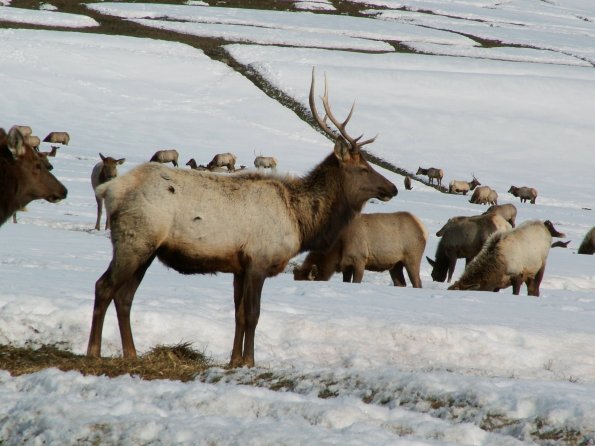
(103, 297)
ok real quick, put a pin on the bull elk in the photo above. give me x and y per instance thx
(24, 177)
(104, 171)
(265, 162)
(511, 258)
(373, 242)
(188, 220)
(462, 187)
(433, 174)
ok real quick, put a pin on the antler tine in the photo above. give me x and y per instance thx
(367, 141)
(340, 126)
(321, 122)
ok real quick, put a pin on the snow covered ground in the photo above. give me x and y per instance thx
(401, 366)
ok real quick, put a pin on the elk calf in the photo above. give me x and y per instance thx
(588, 244)
(189, 221)
(373, 242)
(24, 176)
(105, 170)
(462, 237)
(511, 258)
(432, 173)
(166, 156)
(524, 193)
(462, 187)
(223, 160)
(57, 138)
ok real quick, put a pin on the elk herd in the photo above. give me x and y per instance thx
(187, 218)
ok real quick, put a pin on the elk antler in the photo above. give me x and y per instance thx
(355, 145)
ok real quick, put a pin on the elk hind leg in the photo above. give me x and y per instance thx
(413, 273)
(396, 273)
(99, 206)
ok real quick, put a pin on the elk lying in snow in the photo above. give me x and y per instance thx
(24, 176)
(511, 258)
(463, 237)
(588, 244)
(524, 193)
(189, 221)
(57, 138)
(484, 195)
(407, 182)
(105, 170)
(375, 242)
(166, 156)
(462, 187)
(193, 165)
(508, 211)
(223, 160)
(432, 173)
(265, 162)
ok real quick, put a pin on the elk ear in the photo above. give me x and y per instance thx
(121, 161)
(103, 158)
(15, 142)
(342, 150)
(431, 262)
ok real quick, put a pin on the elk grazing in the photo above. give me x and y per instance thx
(57, 138)
(166, 156)
(189, 221)
(462, 187)
(373, 242)
(407, 182)
(192, 164)
(462, 237)
(433, 174)
(104, 171)
(588, 244)
(265, 162)
(223, 160)
(524, 193)
(484, 195)
(24, 177)
(508, 211)
(511, 258)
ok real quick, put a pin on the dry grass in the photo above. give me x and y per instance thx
(179, 362)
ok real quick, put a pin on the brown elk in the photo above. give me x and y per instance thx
(193, 165)
(105, 170)
(407, 183)
(166, 156)
(223, 160)
(373, 242)
(462, 187)
(508, 211)
(432, 173)
(265, 162)
(24, 177)
(462, 237)
(511, 258)
(51, 153)
(484, 195)
(57, 138)
(189, 221)
(588, 244)
(524, 193)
